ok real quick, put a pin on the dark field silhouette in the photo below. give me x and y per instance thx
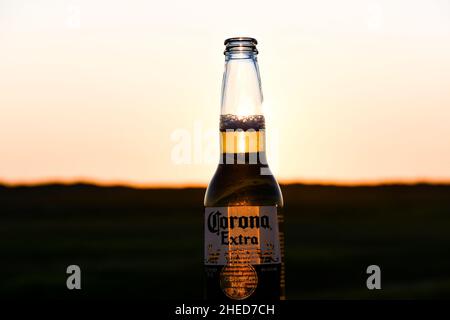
(147, 243)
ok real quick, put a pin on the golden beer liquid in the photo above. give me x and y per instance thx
(239, 141)
(239, 185)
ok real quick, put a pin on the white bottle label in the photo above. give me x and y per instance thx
(241, 234)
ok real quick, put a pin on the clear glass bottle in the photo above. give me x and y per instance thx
(243, 239)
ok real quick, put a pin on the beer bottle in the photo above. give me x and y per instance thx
(243, 238)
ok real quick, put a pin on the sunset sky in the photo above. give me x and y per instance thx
(354, 91)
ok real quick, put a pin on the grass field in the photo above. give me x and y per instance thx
(147, 243)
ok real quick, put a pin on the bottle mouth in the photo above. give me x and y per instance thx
(240, 45)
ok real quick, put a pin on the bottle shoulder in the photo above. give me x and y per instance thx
(234, 185)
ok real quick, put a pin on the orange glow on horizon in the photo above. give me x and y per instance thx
(183, 185)
(354, 93)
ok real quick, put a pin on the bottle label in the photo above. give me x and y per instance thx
(241, 234)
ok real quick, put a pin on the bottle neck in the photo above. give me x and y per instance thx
(241, 87)
(242, 123)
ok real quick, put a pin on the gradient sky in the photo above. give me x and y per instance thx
(103, 90)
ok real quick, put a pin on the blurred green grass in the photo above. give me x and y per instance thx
(147, 243)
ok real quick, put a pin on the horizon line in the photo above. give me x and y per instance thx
(183, 185)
